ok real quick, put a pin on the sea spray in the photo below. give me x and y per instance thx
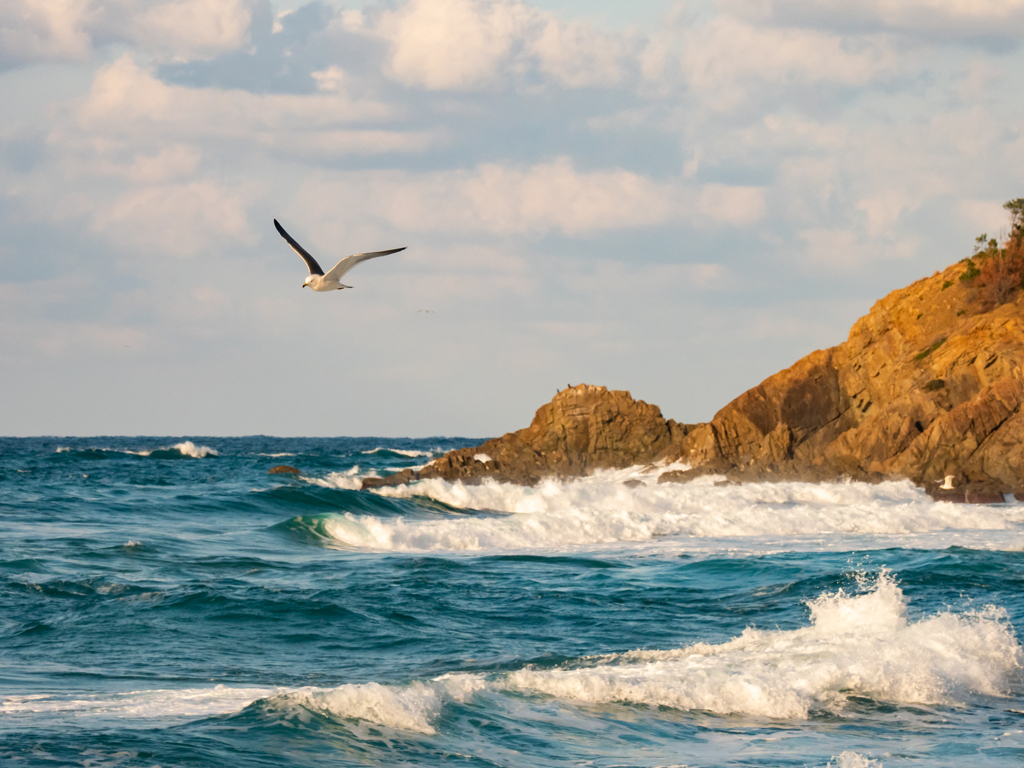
(601, 509)
(857, 645)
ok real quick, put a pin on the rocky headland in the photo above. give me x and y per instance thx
(929, 383)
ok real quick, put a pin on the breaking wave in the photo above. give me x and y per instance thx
(857, 645)
(184, 450)
(602, 509)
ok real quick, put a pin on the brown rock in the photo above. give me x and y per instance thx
(582, 429)
(283, 469)
(927, 384)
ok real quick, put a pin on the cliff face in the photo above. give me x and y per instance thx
(929, 383)
(926, 385)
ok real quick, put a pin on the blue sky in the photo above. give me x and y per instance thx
(678, 199)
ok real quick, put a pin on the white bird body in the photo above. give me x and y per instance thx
(948, 484)
(331, 281)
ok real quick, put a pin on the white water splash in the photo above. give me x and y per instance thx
(851, 759)
(411, 708)
(187, 448)
(176, 703)
(857, 645)
(400, 452)
(602, 509)
(349, 480)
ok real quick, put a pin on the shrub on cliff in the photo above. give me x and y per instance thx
(1002, 273)
(996, 270)
(1016, 209)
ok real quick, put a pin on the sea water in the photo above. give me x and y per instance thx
(167, 602)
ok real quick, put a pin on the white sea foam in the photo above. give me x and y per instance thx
(400, 452)
(411, 708)
(856, 645)
(183, 702)
(851, 759)
(187, 448)
(601, 509)
(349, 480)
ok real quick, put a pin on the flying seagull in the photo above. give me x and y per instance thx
(319, 281)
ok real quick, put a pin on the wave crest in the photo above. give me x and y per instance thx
(856, 645)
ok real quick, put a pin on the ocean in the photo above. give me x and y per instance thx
(164, 601)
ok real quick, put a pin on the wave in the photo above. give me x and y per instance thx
(412, 708)
(861, 644)
(349, 480)
(185, 450)
(850, 759)
(602, 509)
(178, 703)
(397, 452)
(856, 646)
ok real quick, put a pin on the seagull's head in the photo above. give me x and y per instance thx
(309, 279)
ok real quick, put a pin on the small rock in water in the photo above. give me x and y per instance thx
(283, 469)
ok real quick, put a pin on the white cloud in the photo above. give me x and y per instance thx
(178, 30)
(579, 56)
(43, 30)
(723, 56)
(884, 208)
(177, 219)
(453, 44)
(128, 103)
(986, 216)
(499, 199)
(941, 18)
(845, 250)
(739, 206)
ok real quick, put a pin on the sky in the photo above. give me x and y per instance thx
(674, 198)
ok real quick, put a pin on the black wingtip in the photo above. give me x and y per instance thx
(279, 227)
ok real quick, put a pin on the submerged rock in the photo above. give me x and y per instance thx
(283, 469)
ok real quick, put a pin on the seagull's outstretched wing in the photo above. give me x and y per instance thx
(348, 262)
(314, 268)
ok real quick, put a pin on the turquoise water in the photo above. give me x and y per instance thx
(166, 602)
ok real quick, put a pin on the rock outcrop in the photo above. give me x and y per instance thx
(582, 429)
(929, 383)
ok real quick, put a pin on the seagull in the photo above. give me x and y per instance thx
(948, 484)
(319, 281)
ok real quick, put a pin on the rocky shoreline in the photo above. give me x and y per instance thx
(928, 384)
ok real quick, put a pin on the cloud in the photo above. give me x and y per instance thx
(177, 219)
(498, 199)
(43, 30)
(466, 45)
(724, 57)
(453, 44)
(129, 103)
(175, 30)
(944, 19)
(172, 30)
(579, 56)
(740, 206)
